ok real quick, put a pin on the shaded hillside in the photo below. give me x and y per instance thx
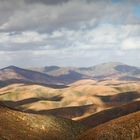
(26, 82)
(102, 71)
(65, 74)
(14, 74)
(71, 77)
(123, 128)
(120, 98)
(55, 75)
(68, 112)
(128, 69)
(129, 78)
(109, 114)
(23, 126)
(75, 102)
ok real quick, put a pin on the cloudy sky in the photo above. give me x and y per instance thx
(69, 32)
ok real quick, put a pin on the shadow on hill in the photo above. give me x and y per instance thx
(17, 104)
(68, 112)
(15, 81)
(122, 128)
(65, 112)
(109, 114)
(18, 125)
(124, 97)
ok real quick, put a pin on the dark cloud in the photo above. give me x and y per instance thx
(48, 2)
(19, 15)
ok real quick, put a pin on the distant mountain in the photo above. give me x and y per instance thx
(103, 71)
(54, 75)
(72, 76)
(13, 74)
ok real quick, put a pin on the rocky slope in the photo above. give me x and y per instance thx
(22, 126)
(123, 128)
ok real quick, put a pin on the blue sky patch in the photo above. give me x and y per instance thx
(137, 11)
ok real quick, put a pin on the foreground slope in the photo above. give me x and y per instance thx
(109, 114)
(23, 126)
(123, 128)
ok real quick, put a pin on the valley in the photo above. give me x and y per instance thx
(54, 103)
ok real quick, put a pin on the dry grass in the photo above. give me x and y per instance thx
(80, 93)
(109, 114)
(123, 128)
(22, 126)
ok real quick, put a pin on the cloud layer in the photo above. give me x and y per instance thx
(69, 32)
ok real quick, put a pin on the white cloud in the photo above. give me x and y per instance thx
(131, 43)
(103, 36)
(24, 37)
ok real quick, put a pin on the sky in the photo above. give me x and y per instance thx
(35, 33)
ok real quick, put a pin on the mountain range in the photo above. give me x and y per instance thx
(55, 75)
(70, 103)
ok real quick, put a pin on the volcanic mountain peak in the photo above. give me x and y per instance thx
(10, 68)
(111, 64)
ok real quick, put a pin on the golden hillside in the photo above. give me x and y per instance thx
(89, 98)
(123, 128)
(22, 126)
(110, 114)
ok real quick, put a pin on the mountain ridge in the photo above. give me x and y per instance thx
(95, 69)
(55, 75)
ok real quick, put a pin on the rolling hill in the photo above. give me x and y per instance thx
(22, 126)
(48, 97)
(110, 114)
(74, 112)
(74, 102)
(123, 128)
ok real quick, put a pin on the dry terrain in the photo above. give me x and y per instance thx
(110, 114)
(101, 102)
(22, 126)
(123, 128)
(77, 101)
